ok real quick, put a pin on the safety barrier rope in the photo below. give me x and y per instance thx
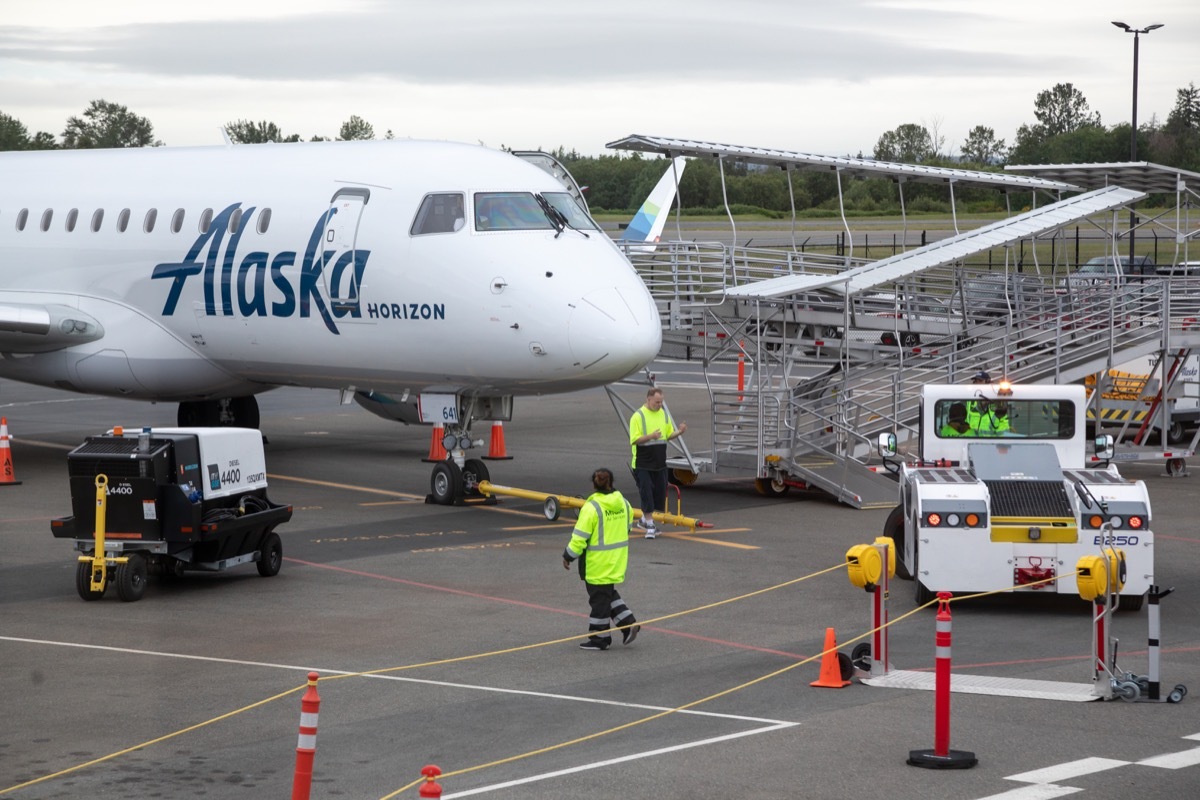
(386, 670)
(579, 740)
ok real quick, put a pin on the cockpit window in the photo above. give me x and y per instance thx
(439, 213)
(509, 211)
(569, 207)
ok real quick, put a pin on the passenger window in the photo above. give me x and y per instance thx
(439, 213)
(509, 211)
(151, 218)
(206, 220)
(177, 221)
(235, 220)
(72, 218)
(123, 220)
(97, 220)
(264, 220)
(22, 218)
(47, 217)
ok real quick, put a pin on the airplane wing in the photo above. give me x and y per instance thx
(37, 328)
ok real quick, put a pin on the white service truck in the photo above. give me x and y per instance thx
(1006, 494)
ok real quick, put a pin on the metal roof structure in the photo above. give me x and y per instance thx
(854, 167)
(1141, 175)
(946, 251)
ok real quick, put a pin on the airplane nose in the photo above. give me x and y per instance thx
(613, 332)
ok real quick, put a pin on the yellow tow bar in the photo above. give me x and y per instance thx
(99, 559)
(552, 505)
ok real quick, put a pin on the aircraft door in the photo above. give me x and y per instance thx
(343, 266)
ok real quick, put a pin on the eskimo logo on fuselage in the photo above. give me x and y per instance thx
(243, 288)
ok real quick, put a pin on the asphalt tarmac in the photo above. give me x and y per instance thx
(464, 617)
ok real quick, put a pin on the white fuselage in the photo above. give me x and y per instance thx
(318, 283)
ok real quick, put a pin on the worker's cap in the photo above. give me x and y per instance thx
(981, 377)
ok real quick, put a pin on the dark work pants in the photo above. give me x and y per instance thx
(652, 489)
(606, 604)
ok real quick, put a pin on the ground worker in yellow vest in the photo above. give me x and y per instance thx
(600, 542)
(650, 428)
(985, 417)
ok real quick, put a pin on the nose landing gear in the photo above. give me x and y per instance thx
(455, 481)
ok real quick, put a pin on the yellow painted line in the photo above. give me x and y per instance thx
(38, 443)
(393, 503)
(548, 526)
(332, 485)
(689, 537)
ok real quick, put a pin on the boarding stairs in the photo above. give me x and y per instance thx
(821, 383)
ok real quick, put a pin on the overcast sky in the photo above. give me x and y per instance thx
(818, 77)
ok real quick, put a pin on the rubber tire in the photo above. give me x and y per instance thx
(1176, 434)
(244, 411)
(1132, 602)
(473, 472)
(270, 556)
(83, 582)
(131, 578)
(894, 527)
(769, 488)
(446, 483)
(551, 508)
(681, 477)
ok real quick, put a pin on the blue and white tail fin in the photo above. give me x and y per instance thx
(647, 224)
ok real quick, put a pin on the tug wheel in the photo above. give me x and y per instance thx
(271, 556)
(894, 528)
(83, 582)
(131, 578)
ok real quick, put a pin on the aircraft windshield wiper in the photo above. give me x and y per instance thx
(557, 218)
(552, 214)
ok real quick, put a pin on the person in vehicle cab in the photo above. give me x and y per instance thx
(956, 421)
(985, 417)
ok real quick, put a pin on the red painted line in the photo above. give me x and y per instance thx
(523, 604)
(1177, 538)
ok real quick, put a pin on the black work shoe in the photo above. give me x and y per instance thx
(629, 634)
(595, 644)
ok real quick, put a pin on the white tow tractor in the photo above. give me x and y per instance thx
(1001, 495)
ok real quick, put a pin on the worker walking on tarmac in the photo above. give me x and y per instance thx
(600, 542)
(650, 428)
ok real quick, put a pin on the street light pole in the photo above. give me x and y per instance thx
(1133, 122)
(1137, 32)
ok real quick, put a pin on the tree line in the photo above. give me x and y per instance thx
(1065, 131)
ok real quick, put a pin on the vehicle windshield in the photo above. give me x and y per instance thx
(509, 211)
(569, 207)
(980, 418)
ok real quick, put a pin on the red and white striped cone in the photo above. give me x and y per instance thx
(306, 746)
(8, 477)
(941, 756)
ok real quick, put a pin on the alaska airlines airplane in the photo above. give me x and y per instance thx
(647, 224)
(433, 281)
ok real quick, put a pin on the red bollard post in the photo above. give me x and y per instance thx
(430, 788)
(306, 746)
(941, 756)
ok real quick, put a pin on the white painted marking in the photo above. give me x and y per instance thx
(1194, 736)
(1067, 771)
(621, 760)
(326, 672)
(1187, 758)
(1038, 791)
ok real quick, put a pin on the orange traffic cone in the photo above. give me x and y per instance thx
(496, 451)
(7, 476)
(831, 668)
(437, 451)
